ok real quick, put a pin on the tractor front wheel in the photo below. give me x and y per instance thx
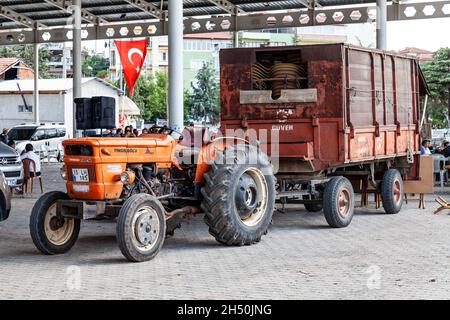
(50, 233)
(141, 228)
(239, 196)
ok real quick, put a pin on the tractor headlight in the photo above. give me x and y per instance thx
(127, 177)
(63, 172)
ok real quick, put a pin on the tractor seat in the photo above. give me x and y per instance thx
(193, 140)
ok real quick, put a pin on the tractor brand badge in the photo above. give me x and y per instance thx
(149, 151)
(126, 150)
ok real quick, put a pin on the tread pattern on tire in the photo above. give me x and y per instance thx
(123, 236)
(37, 225)
(222, 221)
(387, 193)
(331, 194)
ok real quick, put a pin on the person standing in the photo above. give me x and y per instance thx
(4, 136)
(425, 148)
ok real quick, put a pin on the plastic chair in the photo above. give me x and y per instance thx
(28, 179)
(439, 168)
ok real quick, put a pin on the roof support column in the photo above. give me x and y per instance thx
(77, 74)
(381, 24)
(176, 90)
(36, 84)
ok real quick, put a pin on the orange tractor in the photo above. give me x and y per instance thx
(149, 184)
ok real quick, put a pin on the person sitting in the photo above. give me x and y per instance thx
(425, 148)
(12, 144)
(119, 133)
(29, 154)
(444, 149)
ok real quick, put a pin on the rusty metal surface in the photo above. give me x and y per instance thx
(367, 104)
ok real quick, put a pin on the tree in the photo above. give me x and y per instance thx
(437, 74)
(204, 102)
(151, 96)
(26, 54)
(95, 66)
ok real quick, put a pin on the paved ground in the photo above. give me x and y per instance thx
(392, 257)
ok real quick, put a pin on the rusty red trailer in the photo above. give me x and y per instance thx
(336, 110)
(364, 104)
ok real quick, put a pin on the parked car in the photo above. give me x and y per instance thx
(5, 198)
(11, 166)
(46, 138)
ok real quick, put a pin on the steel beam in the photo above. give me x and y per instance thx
(298, 18)
(36, 107)
(86, 15)
(176, 88)
(381, 24)
(147, 7)
(227, 6)
(19, 18)
(77, 64)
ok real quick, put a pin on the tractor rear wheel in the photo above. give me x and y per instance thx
(239, 196)
(338, 202)
(392, 191)
(50, 233)
(141, 228)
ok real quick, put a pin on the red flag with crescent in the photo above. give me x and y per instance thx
(132, 54)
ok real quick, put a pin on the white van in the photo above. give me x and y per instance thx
(46, 138)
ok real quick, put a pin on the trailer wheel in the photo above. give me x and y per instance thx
(392, 191)
(239, 196)
(338, 202)
(141, 228)
(313, 207)
(52, 234)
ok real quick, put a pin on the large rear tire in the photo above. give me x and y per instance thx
(239, 196)
(52, 234)
(338, 202)
(141, 228)
(392, 191)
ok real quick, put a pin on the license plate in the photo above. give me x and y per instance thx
(80, 175)
(10, 182)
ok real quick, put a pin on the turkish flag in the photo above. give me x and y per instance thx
(132, 54)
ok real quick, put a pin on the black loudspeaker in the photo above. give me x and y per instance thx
(104, 112)
(84, 114)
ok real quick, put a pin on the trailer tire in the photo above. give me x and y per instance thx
(141, 228)
(313, 207)
(45, 225)
(392, 191)
(338, 202)
(239, 196)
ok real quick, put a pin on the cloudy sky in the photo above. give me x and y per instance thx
(429, 34)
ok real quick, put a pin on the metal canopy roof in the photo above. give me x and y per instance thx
(41, 21)
(56, 12)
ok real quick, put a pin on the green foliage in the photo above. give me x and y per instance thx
(95, 66)
(437, 74)
(151, 96)
(26, 54)
(204, 102)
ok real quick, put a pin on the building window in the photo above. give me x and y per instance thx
(25, 109)
(197, 64)
(164, 56)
